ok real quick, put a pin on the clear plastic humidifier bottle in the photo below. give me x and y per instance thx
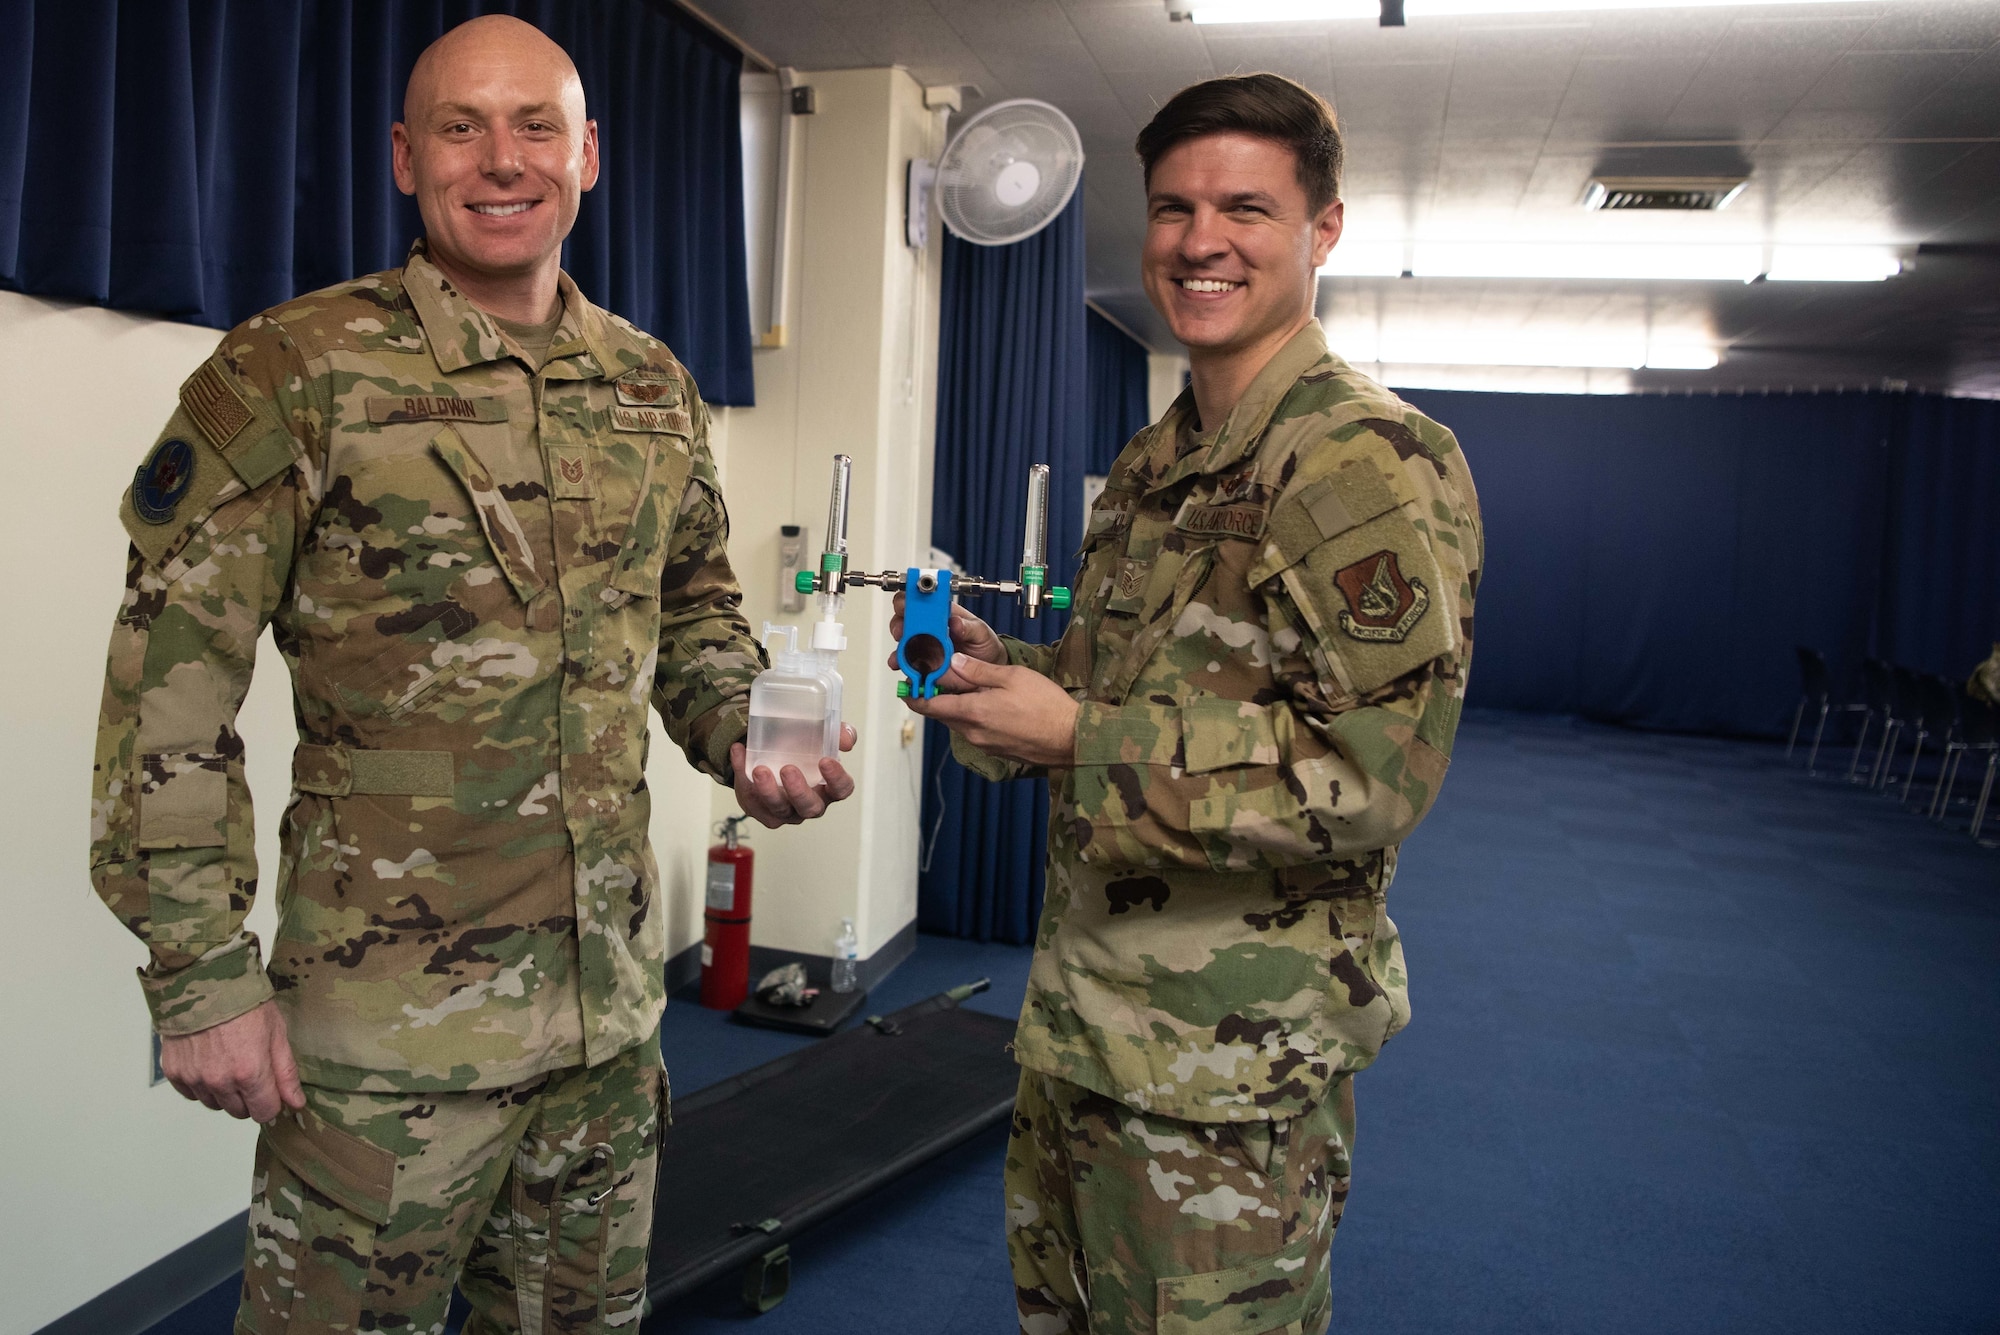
(794, 708)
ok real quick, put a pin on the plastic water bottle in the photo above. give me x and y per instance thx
(794, 709)
(846, 954)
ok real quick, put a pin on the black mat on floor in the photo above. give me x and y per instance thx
(791, 1142)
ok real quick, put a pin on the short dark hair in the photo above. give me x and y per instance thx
(1269, 106)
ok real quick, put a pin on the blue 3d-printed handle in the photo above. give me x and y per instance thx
(925, 613)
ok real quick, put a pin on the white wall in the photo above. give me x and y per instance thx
(102, 1174)
(857, 376)
(760, 96)
(118, 1173)
(1166, 372)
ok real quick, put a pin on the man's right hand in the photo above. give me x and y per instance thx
(969, 636)
(243, 1067)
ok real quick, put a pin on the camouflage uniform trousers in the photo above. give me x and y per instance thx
(1125, 1223)
(536, 1198)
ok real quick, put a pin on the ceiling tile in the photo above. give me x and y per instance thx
(1303, 60)
(1888, 82)
(1962, 25)
(1967, 104)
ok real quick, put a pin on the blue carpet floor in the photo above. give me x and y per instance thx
(1700, 1045)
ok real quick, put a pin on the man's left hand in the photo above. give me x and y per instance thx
(1012, 712)
(786, 798)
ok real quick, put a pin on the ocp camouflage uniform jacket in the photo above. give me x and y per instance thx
(1269, 645)
(478, 575)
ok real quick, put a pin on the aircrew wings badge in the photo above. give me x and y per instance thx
(1382, 605)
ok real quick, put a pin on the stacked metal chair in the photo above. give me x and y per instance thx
(1816, 696)
(1907, 716)
(1979, 730)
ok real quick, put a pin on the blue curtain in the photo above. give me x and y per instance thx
(1116, 387)
(1653, 561)
(1011, 392)
(203, 160)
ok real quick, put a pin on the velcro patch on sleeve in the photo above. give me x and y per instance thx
(1352, 494)
(183, 798)
(258, 459)
(215, 404)
(249, 438)
(1323, 509)
(1372, 594)
(181, 481)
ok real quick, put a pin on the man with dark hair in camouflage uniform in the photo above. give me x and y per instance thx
(1253, 704)
(481, 517)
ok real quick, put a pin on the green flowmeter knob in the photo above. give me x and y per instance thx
(903, 689)
(1059, 598)
(805, 581)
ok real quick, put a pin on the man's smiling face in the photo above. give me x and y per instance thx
(496, 148)
(1232, 245)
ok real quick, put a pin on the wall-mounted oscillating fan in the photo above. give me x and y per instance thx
(1003, 177)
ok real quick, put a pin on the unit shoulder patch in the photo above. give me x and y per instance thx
(1382, 604)
(163, 481)
(1373, 595)
(183, 481)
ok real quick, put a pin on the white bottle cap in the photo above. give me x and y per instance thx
(830, 636)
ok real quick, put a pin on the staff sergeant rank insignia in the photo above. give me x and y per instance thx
(1382, 606)
(161, 482)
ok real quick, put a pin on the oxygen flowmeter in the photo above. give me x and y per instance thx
(927, 592)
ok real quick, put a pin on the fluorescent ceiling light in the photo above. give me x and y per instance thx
(1609, 349)
(1614, 261)
(1506, 379)
(1833, 264)
(1366, 259)
(1273, 11)
(1298, 11)
(1482, 259)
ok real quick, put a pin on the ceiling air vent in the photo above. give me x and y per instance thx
(1688, 194)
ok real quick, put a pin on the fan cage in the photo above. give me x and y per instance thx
(1014, 130)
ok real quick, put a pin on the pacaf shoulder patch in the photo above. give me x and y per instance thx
(1382, 605)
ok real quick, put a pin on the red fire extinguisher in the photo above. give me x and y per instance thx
(725, 942)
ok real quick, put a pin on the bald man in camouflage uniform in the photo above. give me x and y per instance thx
(481, 518)
(1253, 704)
